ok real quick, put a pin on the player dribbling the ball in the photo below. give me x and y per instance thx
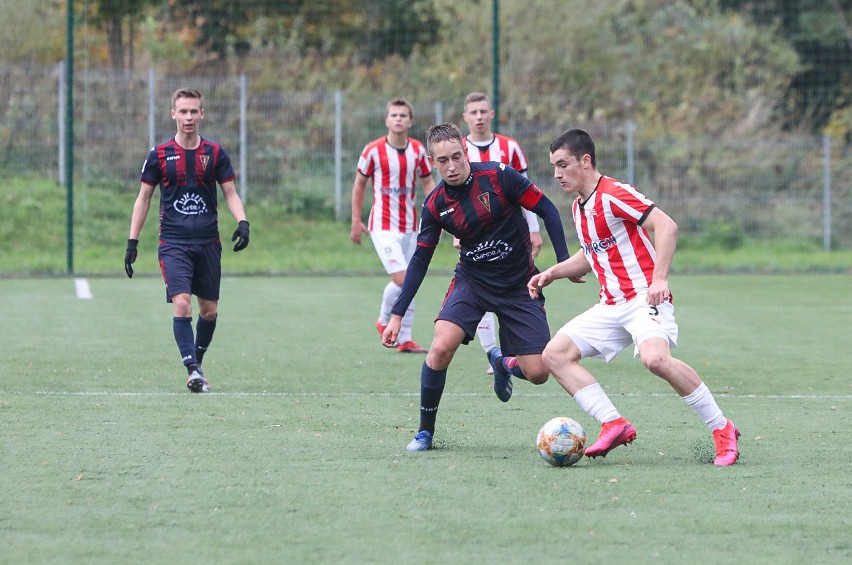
(613, 221)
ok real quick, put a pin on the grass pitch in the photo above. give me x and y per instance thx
(298, 455)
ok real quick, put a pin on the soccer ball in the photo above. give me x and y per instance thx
(561, 442)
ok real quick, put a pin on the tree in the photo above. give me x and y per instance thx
(111, 15)
(819, 32)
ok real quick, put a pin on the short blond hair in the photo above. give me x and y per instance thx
(186, 92)
(476, 97)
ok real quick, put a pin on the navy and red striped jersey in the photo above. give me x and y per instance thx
(188, 197)
(485, 214)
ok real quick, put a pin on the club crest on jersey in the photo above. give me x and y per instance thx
(485, 200)
(204, 160)
(191, 204)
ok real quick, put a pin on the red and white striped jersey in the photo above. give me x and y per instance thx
(619, 250)
(502, 149)
(394, 173)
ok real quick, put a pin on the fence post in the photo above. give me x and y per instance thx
(631, 127)
(826, 192)
(60, 71)
(69, 137)
(338, 154)
(244, 168)
(439, 112)
(152, 108)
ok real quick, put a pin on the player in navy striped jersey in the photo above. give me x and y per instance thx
(484, 145)
(479, 203)
(187, 169)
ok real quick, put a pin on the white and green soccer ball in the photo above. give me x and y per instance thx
(561, 441)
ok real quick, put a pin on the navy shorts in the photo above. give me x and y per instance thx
(523, 322)
(191, 268)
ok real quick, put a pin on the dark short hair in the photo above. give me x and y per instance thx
(442, 132)
(186, 92)
(577, 142)
(401, 102)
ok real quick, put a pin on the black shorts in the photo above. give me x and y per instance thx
(523, 322)
(191, 268)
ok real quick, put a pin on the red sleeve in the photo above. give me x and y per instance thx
(531, 197)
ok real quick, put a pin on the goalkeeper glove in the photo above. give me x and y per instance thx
(130, 256)
(241, 236)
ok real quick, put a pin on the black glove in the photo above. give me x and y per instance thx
(130, 256)
(241, 236)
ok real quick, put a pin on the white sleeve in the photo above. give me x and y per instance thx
(532, 220)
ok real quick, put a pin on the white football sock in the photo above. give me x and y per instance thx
(407, 323)
(702, 401)
(389, 297)
(487, 332)
(596, 403)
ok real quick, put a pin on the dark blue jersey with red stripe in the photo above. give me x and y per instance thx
(188, 197)
(485, 214)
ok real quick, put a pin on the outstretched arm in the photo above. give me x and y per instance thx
(572, 268)
(414, 275)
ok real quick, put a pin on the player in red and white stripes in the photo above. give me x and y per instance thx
(394, 163)
(613, 222)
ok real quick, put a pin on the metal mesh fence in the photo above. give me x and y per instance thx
(765, 187)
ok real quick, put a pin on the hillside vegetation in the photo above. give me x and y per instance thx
(281, 244)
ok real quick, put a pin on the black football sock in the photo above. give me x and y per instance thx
(431, 388)
(185, 340)
(203, 336)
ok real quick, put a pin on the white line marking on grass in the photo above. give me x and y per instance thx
(395, 394)
(83, 290)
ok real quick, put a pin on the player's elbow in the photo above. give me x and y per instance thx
(673, 227)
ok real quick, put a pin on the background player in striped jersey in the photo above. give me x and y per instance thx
(394, 163)
(480, 203)
(485, 145)
(613, 220)
(187, 169)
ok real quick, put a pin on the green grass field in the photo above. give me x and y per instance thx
(35, 242)
(298, 456)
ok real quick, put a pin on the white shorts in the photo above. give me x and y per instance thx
(603, 331)
(395, 249)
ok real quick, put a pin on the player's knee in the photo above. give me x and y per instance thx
(535, 371)
(554, 357)
(398, 278)
(209, 314)
(440, 354)
(182, 305)
(538, 377)
(438, 358)
(657, 364)
(548, 357)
